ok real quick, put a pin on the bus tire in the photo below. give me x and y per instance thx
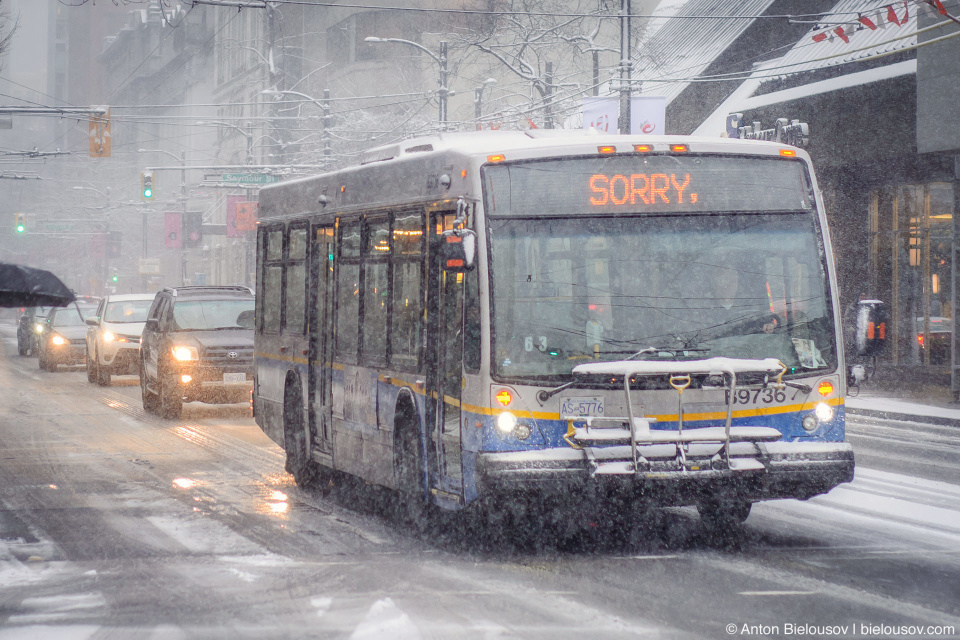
(299, 463)
(408, 467)
(723, 514)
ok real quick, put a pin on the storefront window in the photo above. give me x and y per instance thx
(910, 260)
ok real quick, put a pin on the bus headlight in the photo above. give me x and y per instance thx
(809, 422)
(522, 432)
(824, 412)
(506, 422)
(185, 353)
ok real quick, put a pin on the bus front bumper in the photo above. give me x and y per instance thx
(761, 471)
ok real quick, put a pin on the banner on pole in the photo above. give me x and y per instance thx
(172, 230)
(241, 216)
(600, 114)
(647, 114)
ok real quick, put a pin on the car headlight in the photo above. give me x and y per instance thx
(58, 340)
(38, 328)
(108, 336)
(185, 353)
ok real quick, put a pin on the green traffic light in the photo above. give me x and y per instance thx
(20, 228)
(148, 193)
(115, 278)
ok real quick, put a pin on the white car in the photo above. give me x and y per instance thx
(113, 337)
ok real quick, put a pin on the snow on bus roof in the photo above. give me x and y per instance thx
(653, 367)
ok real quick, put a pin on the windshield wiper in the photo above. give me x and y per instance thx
(543, 395)
(661, 351)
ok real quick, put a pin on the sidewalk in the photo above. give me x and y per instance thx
(932, 407)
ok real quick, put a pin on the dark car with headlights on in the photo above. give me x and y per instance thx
(197, 345)
(29, 328)
(62, 339)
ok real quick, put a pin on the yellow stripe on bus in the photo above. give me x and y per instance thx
(544, 415)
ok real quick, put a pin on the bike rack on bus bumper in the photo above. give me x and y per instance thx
(597, 434)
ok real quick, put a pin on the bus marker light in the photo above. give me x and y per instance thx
(788, 153)
(522, 431)
(497, 157)
(809, 422)
(606, 149)
(343, 188)
(504, 397)
(679, 148)
(825, 388)
(463, 174)
(643, 148)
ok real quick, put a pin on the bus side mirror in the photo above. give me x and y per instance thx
(871, 331)
(458, 251)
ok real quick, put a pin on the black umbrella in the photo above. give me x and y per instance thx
(28, 287)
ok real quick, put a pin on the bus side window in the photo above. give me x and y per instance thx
(348, 294)
(471, 323)
(405, 340)
(272, 282)
(407, 311)
(296, 282)
(376, 290)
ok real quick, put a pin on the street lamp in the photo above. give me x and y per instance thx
(478, 98)
(440, 59)
(244, 131)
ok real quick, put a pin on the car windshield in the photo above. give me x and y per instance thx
(127, 311)
(573, 290)
(70, 317)
(206, 315)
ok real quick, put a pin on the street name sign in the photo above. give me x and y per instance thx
(249, 178)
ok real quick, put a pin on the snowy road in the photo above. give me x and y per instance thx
(114, 524)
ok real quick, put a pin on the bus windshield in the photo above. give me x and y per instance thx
(570, 290)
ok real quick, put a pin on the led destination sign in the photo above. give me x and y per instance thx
(639, 188)
(646, 184)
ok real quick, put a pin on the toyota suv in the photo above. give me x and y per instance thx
(197, 345)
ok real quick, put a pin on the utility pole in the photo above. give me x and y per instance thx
(444, 91)
(548, 96)
(327, 121)
(275, 76)
(625, 67)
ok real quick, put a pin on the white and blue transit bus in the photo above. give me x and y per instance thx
(479, 315)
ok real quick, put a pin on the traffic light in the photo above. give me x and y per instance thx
(21, 223)
(146, 185)
(115, 278)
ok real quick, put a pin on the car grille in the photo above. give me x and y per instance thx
(220, 356)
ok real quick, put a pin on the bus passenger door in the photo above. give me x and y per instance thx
(445, 358)
(321, 323)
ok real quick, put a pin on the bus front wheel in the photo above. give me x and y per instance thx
(409, 472)
(299, 463)
(723, 514)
